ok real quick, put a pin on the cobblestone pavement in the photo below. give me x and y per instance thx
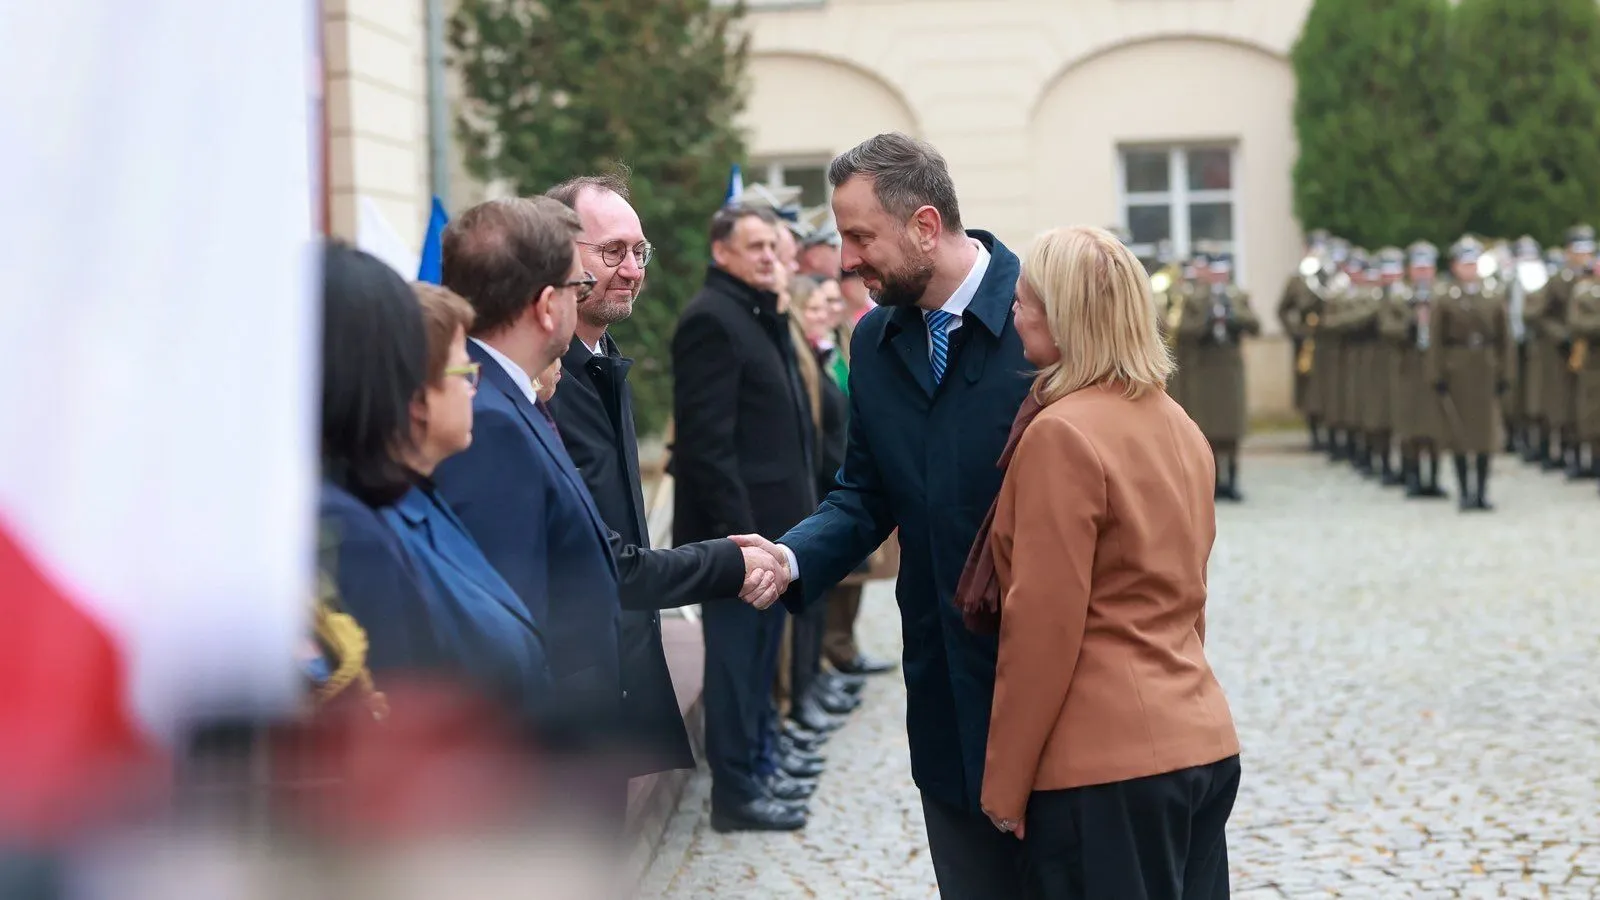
(1417, 692)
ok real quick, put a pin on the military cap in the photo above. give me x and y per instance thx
(823, 234)
(1466, 250)
(1318, 238)
(1392, 261)
(1220, 261)
(1338, 249)
(1528, 248)
(1580, 239)
(1356, 258)
(1423, 254)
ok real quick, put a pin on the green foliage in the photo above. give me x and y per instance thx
(557, 88)
(1532, 71)
(1373, 111)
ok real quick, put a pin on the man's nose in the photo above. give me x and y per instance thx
(630, 268)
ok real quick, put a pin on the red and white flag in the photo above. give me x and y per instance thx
(159, 317)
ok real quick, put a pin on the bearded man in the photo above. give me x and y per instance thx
(937, 377)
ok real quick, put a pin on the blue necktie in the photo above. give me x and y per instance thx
(939, 340)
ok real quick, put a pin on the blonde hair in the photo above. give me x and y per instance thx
(1099, 310)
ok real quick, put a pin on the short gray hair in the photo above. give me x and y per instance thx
(907, 174)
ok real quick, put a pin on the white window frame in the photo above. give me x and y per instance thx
(1178, 198)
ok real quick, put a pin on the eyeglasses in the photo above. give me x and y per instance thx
(614, 253)
(585, 286)
(470, 372)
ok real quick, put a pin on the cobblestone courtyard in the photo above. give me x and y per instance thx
(1417, 692)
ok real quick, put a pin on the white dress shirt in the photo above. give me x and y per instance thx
(512, 369)
(955, 306)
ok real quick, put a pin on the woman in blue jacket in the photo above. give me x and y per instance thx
(498, 643)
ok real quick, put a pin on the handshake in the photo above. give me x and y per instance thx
(766, 570)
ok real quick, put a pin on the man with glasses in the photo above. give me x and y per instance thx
(594, 409)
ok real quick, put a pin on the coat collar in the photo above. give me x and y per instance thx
(758, 301)
(423, 510)
(991, 306)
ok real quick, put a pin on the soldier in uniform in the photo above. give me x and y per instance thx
(1467, 362)
(1555, 349)
(1344, 420)
(1524, 275)
(1381, 390)
(1537, 368)
(1583, 318)
(1299, 310)
(1354, 321)
(1580, 262)
(1214, 320)
(1419, 420)
(1176, 303)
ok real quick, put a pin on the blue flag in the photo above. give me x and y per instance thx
(735, 185)
(432, 268)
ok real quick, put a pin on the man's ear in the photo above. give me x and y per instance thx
(926, 223)
(542, 309)
(719, 252)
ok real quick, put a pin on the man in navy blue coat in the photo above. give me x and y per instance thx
(936, 378)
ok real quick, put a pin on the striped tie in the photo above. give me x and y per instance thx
(939, 340)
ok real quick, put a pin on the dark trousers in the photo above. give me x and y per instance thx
(1155, 838)
(839, 633)
(972, 859)
(805, 649)
(741, 658)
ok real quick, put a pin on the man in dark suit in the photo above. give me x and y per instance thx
(936, 378)
(743, 464)
(516, 488)
(594, 411)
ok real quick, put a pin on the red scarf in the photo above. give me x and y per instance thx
(978, 592)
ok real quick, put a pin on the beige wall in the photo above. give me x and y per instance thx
(1030, 99)
(376, 53)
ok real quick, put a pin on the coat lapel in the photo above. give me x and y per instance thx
(437, 523)
(910, 345)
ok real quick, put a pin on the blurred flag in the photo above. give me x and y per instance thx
(431, 268)
(158, 386)
(735, 185)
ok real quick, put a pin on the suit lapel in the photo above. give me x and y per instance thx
(547, 439)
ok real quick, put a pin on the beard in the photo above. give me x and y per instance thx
(902, 287)
(604, 309)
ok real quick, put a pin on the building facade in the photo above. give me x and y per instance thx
(1170, 117)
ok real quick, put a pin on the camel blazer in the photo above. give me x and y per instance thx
(1101, 535)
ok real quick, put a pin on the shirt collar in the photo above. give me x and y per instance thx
(962, 297)
(515, 371)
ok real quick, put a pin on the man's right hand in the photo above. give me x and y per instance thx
(766, 576)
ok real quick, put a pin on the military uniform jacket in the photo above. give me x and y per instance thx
(1214, 393)
(1467, 357)
(1583, 317)
(1551, 346)
(1177, 301)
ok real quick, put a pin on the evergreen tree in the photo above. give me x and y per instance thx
(558, 88)
(1532, 72)
(1373, 113)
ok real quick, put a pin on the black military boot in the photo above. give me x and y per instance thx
(1314, 426)
(1392, 477)
(1430, 486)
(1231, 491)
(1338, 445)
(1556, 459)
(1537, 446)
(1465, 499)
(1481, 501)
(1408, 474)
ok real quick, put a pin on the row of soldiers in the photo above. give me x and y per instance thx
(1391, 354)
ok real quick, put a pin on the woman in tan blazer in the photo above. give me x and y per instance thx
(1111, 751)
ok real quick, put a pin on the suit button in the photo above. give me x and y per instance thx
(624, 695)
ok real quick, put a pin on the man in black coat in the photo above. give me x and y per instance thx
(593, 410)
(742, 461)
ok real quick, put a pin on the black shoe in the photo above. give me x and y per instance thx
(790, 790)
(866, 665)
(814, 717)
(1466, 502)
(835, 702)
(788, 748)
(1553, 464)
(1393, 479)
(1482, 504)
(760, 814)
(1230, 494)
(838, 681)
(799, 767)
(802, 737)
